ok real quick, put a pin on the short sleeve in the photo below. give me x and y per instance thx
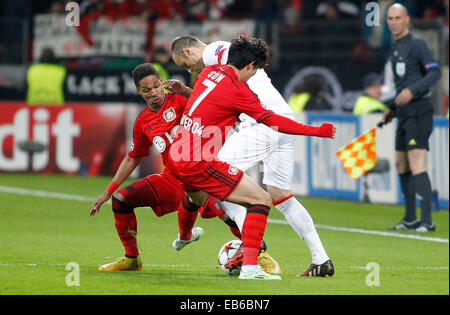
(141, 144)
(216, 53)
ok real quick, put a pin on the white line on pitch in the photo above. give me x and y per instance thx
(424, 268)
(362, 231)
(45, 194)
(49, 194)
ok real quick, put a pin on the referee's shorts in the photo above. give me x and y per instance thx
(413, 132)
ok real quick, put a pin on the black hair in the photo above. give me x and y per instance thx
(312, 84)
(245, 50)
(47, 56)
(143, 70)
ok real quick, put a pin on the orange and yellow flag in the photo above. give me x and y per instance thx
(359, 156)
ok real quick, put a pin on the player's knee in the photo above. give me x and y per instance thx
(279, 194)
(401, 166)
(118, 196)
(264, 199)
(120, 204)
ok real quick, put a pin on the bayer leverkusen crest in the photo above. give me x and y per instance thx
(169, 114)
(233, 170)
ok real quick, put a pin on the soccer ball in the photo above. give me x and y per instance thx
(226, 252)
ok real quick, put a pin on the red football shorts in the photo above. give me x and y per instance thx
(162, 192)
(211, 209)
(217, 178)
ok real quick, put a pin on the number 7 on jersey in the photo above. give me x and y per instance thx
(209, 87)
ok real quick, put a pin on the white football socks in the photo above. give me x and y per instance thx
(236, 212)
(300, 220)
(297, 217)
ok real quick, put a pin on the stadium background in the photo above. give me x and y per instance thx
(90, 132)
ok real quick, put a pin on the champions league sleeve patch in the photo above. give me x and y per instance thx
(219, 48)
(431, 65)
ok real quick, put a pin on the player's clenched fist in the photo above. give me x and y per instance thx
(327, 130)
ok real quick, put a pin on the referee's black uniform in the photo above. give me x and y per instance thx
(414, 68)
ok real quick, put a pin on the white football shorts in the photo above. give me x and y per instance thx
(255, 143)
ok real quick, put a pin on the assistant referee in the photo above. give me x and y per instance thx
(415, 71)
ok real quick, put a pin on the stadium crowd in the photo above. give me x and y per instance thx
(301, 32)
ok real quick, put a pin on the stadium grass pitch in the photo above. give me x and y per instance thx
(40, 234)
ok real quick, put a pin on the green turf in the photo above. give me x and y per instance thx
(40, 236)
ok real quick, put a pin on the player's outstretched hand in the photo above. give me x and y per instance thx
(176, 86)
(327, 130)
(98, 203)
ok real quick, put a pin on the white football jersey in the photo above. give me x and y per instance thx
(217, 53)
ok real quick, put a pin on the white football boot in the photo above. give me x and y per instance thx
(197, 232)
(257, 273)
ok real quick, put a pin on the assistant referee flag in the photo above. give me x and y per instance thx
(359, 156)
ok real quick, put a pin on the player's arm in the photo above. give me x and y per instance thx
(127, 166)
(429, 64)
(140, 147)
(433, 73)
(289, 126)
(248, 103)
(176, 86)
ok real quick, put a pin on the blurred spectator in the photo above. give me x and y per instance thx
(89, 6)
(45, 80)
(57, 7)
(369, 102)
(238, 9)
(12, 29)
(432, 9)
(196, 10)
(217, 9)
(309, 96)
(335, 21)
(291, 39)
(163, 63)
(264, 12)
(167, 9)
(334, 9)
(291, 22)
(131, 8)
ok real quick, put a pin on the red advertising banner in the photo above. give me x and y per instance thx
(75, 138)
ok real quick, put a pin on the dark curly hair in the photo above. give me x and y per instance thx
(143, 70)
(245, 50)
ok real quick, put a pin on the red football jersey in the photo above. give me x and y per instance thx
(216, 102)
(158, 128)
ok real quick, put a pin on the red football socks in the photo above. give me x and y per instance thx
(253, 232)
(126, 226)
(187, 214)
